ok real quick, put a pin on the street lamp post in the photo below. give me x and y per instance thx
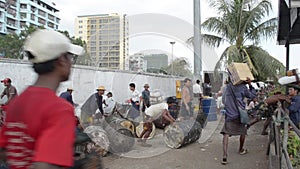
(172, 68)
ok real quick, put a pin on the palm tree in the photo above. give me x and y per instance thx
(242, 24)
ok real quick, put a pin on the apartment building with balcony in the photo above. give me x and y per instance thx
(137, 63)
(16, 14)
(106, 36)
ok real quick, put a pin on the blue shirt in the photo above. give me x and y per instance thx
(67, 96)
(294, 110)
(240, 92)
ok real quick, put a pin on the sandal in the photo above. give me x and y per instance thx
(224, 161)
(244, 151)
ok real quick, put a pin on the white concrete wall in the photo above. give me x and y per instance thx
(84, 80)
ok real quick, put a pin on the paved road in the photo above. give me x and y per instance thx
(204, 154)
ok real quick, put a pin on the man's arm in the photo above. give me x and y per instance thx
(3, 94)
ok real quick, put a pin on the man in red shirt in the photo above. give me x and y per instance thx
(39, 131)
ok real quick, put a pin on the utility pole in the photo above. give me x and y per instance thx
(197, 40)
(172, 43)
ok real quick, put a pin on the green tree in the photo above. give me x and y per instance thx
(181, 67)
(11, 44)
(85, 59)
(243, 24)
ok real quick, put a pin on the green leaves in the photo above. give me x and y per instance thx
(293, 148)
(240, 23)
(11, 44)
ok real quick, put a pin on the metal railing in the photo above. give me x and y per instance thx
(278, 141)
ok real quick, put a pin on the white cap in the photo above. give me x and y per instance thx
(46, 45)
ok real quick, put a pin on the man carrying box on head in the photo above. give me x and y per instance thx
(233, 101)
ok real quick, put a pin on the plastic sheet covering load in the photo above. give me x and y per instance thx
(292, 77)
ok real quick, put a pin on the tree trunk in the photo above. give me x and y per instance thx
(120, 134)
(182, 133)
(100, 139)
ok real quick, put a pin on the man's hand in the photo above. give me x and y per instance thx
(248, 80)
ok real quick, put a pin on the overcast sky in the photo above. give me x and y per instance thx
(180, 9)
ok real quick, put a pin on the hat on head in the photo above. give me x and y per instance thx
(70, 89)
(46, 45)
(295, 86)
(6, 80)
(100, 88)
(146, 85)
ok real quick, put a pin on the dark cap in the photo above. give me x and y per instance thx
(6, 80)
(295, 86)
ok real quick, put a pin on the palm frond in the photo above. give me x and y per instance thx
(221, 6)
(265, 30)
(211, 40)
(218, 26)
(250, 63)
(266, 65)
(254, 16)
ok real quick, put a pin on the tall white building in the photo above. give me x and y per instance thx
(106, 36)
(15, 14)
(137, 63)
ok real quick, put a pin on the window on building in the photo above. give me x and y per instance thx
(80, 26)
(103, 48)
(2, 5)
(93, 32)
(32, 17)
(93, 21)
(114, 65)
(51, 17)
(51, 25)
(103, 42)
(103, 64)
(41, 21)
(93, 49)
(103, 37)
(33, 9)
(116, 20)
(80, 32)
(41, 13)
(103, 21)
(23, 6)
(93, 54)
(113, 42)
(22, 24)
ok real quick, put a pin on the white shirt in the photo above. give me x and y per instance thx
(156, 110)
(135, 96)
(197, 88)
(110, 106)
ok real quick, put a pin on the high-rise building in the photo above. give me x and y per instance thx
(156, 61)
(16, 14)
(106, 36)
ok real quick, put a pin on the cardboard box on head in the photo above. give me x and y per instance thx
(238, 72)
